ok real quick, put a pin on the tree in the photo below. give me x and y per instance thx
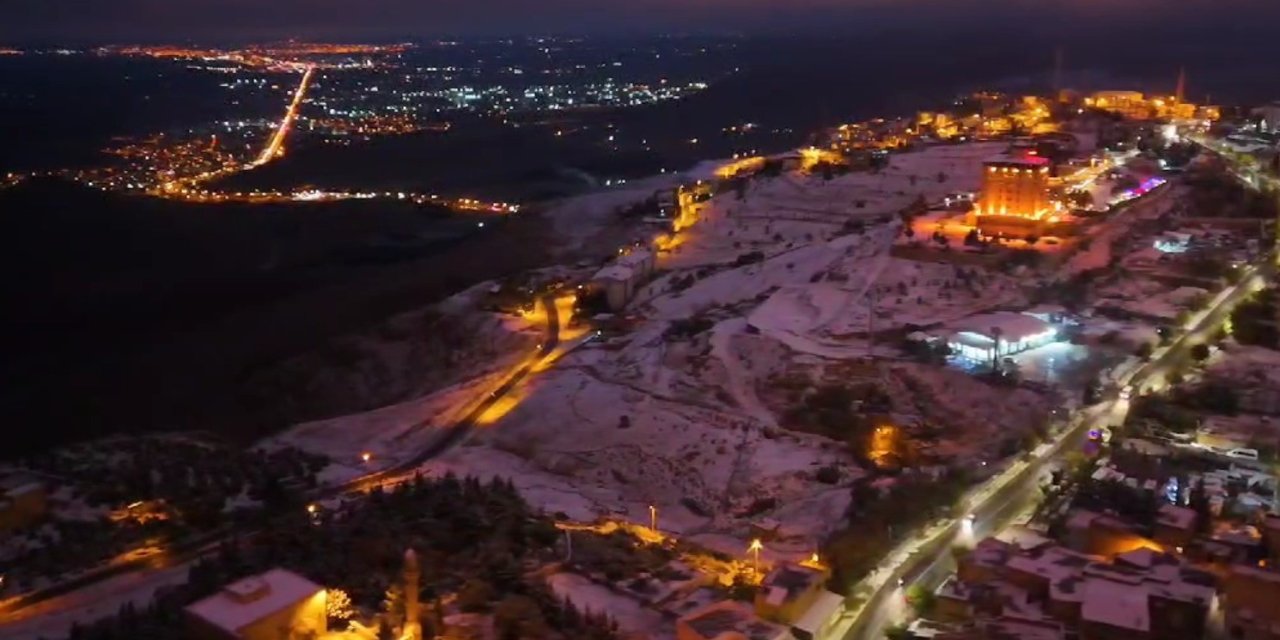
(1200, 352)
(1144, 350)
(898, 632)
(517, 617)
(920, 599)
(475, 595)
(338, 606)
(393, 605)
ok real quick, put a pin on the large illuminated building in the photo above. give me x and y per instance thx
(1135, 105)
(1014, 200)
(1015, 186)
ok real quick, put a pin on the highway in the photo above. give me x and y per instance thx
(275, 146)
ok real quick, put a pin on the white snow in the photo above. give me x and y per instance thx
(630, 615)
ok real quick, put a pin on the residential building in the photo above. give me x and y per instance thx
(1175, 526)
(728, 620)
(1142, 595)
(1268, 117)
(276, 605)
(1014, 186)
(1130, 104)
(620, 280)
(1250, 599)
(788, 591)
(23, 502)
(1104, 535)
(1271, 533)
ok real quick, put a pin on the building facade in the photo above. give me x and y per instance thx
(1016, 187)
(276, 605)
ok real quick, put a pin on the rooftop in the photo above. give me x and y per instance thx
(818, 613)
(1019, 628)
(614, 272)
(1114, 603)
(18, 484)
(788, 581)
(1020, 161)
(1176, 517)
(732, 619)
(635, 258)
(1013, 326)
(251, 599)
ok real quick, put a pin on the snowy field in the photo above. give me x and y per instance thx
(786, 279)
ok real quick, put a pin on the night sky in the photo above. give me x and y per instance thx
(174, 20)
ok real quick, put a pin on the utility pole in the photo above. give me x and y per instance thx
(871, 322)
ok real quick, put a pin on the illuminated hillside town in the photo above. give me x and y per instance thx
(1004, 368)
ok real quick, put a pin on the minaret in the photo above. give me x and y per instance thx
(1057, 72)
(1181, 91)
(412, 628)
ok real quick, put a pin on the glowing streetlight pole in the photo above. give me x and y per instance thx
(755, 548)
(653, 518)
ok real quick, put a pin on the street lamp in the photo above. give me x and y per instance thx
(755, 548)
(366, 456)
(653, 518)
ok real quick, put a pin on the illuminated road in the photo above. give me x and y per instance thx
(476, 416)
(275, 146)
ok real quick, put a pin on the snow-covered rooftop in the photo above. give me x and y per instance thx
(1013, 326)
(248, 600)
(1177, 517)
(732, 619)
(1017, 161)
(1116, 604)
(614, 272)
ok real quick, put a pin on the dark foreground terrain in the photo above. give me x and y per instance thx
(133, 314)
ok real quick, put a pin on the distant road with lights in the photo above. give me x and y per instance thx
(275, 146)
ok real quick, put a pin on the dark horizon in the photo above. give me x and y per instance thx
(79, 22)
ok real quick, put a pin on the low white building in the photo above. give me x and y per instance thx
(985, 337)
(276, 605)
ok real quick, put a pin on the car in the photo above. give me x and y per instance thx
(1243, 454)
(1126, 393)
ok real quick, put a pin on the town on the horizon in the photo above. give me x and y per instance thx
(1003, 367)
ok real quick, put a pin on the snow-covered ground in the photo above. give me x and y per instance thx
(54, 618)
(486, 349)
(631, 616)
(785, 280)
